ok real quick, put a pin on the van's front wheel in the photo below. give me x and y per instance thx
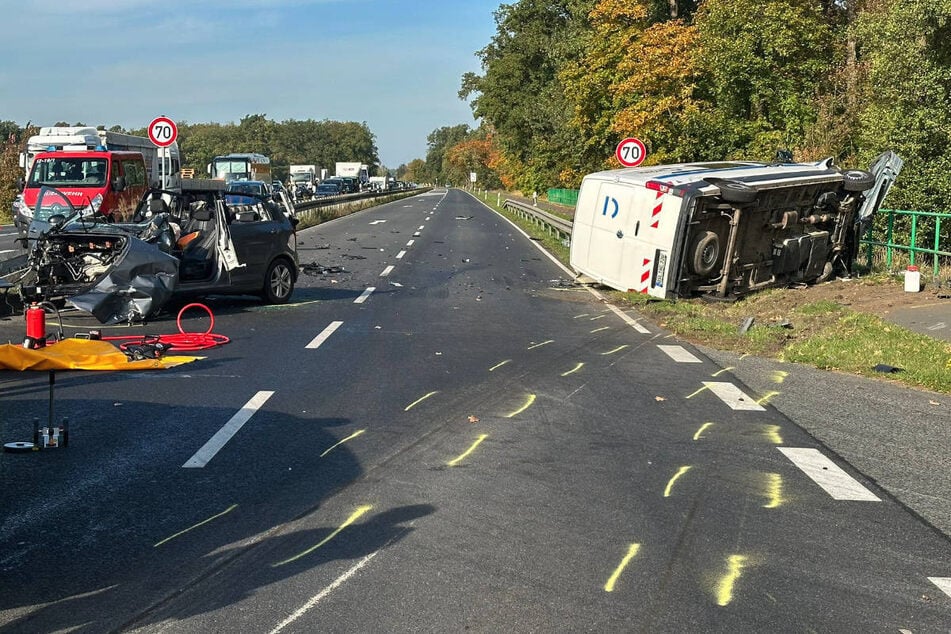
(705, 253)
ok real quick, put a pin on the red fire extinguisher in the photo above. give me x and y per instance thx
(35, 327)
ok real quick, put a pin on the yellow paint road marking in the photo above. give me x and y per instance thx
(779, 376)
(774, 491)
(573, 370)
(350, 520)
(539, 345)
(735, 565)
(670, 483)
(461, 457)
(772, 433)
(705, 387)
(335, 445)
(767, 398)
(618, 349)
(202, 523)
(702, 429)
(528, 403)
(418, 401)
(631, 553)
(499, 365)
(719, 372)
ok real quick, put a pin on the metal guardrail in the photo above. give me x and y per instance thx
(912, 249)
(551, 223)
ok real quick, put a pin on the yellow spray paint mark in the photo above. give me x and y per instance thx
(191, 528)
(772, 433)
(462, 456)
(335, 445)
(618, 349)
(528, 403)
(766, 398)
(702, 429)
(779, 376)
(539, 345)
(774, 491)
(418, 401)
(670, 483)
(743, 356)
(631, 553)
(499, 365)
(719, 372)
(573, 370)
(600, 329)
(705, 387)
(735, 565)
(350, 520)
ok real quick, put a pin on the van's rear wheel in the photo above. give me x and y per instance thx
(705, 253)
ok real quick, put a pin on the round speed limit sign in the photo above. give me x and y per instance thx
(630, 152)
(163, 131)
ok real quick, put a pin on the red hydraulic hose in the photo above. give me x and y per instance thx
(181, 341)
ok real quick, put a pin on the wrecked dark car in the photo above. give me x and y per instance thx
(179, 244)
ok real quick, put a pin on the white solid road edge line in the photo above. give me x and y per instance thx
(324, 335)
(943, 583)
(828, 475)
(617, 311)
(204, 455)
(364, 295)
(323, 593)
(679, 354)
(733, 396)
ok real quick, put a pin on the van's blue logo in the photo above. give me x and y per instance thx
(607, 200)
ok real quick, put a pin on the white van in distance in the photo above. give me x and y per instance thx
(724, 229)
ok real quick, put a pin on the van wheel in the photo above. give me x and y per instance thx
(857, 180)
(278, 283)
(705, 253)
(736, 192)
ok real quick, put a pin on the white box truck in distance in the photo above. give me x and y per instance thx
(305, 175)
(724, 229)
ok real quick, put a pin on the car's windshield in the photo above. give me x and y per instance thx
(246, 188)
(68, 172)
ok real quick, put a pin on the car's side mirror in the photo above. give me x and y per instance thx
(295, 221)
(118, 183)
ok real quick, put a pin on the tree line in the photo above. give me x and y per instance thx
(563, 81)
(307, 142)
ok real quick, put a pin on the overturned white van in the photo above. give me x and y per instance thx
(724, 229)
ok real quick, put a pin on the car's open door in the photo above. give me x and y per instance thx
(885, 168)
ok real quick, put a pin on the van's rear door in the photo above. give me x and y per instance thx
(619, 231)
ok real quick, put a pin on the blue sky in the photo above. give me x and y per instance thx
(395, 65)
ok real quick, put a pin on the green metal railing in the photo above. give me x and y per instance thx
(912, 249)
(563, 196)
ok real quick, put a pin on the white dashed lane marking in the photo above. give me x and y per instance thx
(733, 396)
(323, 336)
(828, 475)
(679, 354)
(387, 271)
(364, 295)
(399, 256)
(943, 583)
(204, 455)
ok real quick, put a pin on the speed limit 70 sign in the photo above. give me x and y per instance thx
(163, 131)
(630, 152)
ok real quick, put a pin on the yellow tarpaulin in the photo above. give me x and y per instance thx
(80, 354)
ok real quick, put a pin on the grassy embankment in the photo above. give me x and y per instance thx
(823, 333)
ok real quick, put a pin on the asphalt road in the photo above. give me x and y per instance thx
(470, 445)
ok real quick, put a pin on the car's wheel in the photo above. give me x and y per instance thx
(857, 180)
(705, 253)
(278, 282)
(736, 192)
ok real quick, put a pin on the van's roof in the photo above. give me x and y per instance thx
(681, 174)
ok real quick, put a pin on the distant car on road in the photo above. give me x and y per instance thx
(327, 189)
(256, 188)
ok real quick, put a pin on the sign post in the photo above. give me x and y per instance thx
(630, 152)
(163, 132)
